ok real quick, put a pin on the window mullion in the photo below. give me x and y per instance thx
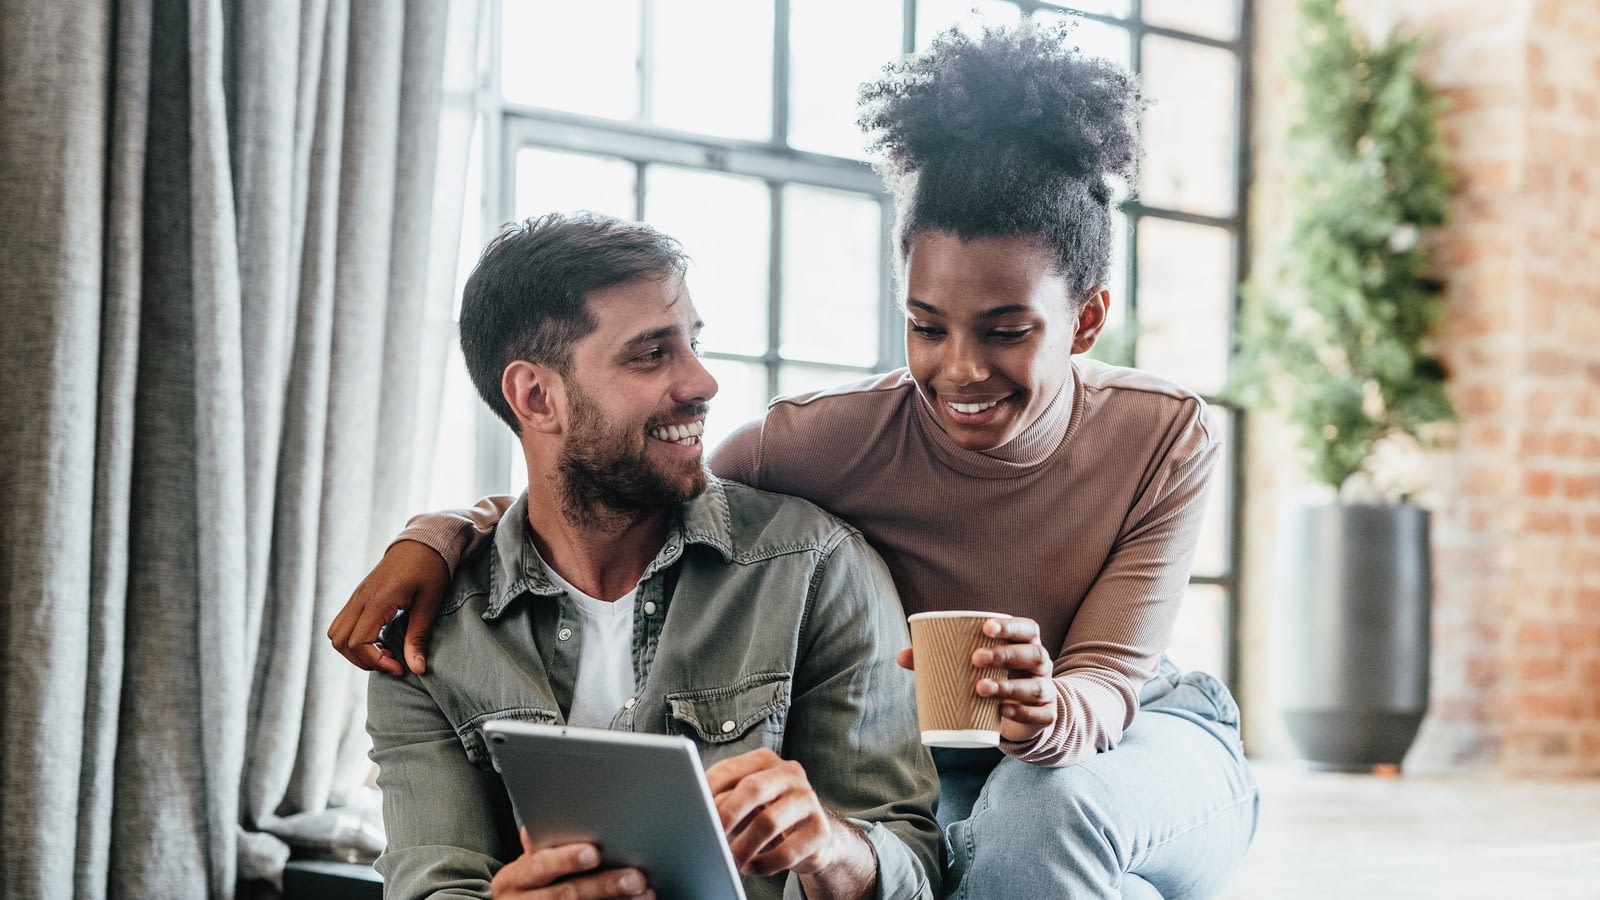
(774, 286)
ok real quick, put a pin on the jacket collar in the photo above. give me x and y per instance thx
(516, 568)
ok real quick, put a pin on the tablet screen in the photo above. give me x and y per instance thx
(642, 798)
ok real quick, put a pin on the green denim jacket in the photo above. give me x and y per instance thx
(760, 610)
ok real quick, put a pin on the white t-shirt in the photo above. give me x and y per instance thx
(605, 663)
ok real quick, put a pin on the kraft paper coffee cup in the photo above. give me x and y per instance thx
(949, 711)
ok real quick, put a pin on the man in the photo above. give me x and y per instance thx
(627, 589)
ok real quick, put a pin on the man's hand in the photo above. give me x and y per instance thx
(555, 873)
(775, 823)
(411, 576)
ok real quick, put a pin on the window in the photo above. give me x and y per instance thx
(730, 124)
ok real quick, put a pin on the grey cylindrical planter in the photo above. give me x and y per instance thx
(1354, 593)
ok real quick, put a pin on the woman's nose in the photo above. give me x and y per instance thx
(964, 362)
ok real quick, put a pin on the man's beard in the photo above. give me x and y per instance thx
(606, 479)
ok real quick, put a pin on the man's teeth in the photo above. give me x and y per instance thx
(679, 434)
(970, 408)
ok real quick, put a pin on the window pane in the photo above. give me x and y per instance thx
(579, 57)
(1211, 555)
(1096, 38)
(1185, 302)
(691, 89)
(552, 181)
(935, 16)
(517, 471)
(1199, 637)
(741, 396)
(832, 264)
(834, 46)
(1102, 7)
(723, 222)
(1212, 18)
(798, 379)
(1188, 130)
(455, 437)
(1116, 342)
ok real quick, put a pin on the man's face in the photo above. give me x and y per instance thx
(637, 397)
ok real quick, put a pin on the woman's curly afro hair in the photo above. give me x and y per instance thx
(1011, 134)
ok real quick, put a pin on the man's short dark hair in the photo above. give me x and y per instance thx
(526, 298)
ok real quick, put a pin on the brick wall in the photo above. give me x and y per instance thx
(1516, 500)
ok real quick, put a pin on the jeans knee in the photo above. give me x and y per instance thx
(1068, 837)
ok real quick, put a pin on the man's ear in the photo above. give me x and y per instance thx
(536, 394)
(1091, 318)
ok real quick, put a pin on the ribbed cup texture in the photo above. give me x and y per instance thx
(942, 652)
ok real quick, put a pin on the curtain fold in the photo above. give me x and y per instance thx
(221, 229)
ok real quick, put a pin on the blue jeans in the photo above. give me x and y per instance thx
(1167, 815)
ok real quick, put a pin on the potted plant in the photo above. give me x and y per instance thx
(1338, 342)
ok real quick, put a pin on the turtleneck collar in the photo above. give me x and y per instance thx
(1019, 455)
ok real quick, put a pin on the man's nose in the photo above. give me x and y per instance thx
(697, 384)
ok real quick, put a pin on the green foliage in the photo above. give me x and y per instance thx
(1339, 340)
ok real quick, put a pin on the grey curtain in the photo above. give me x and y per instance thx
(222, 228)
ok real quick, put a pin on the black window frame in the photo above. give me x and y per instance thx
(508, 128)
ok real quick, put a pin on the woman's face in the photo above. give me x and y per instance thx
(990, 330)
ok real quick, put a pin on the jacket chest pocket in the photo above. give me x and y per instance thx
(472, 737)
(727, 721)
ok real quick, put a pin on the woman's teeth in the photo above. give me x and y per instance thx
(679, 434)
(970, 408)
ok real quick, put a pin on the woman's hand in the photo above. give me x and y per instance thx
(410, 577)
(1028, 695)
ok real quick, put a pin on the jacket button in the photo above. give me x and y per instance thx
(649, 607)
(564, 634)
(628, 703)
(727, 726)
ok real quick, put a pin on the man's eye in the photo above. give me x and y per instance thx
(654, 354)
(1016, 335)
(694, 347)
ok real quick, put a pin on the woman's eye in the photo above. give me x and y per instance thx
(926, 330)
(1010, 335)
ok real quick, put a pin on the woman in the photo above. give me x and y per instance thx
(1001, 472)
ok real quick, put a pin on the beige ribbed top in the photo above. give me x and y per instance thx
(1086, 522)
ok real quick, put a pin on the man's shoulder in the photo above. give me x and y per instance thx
(760, 522)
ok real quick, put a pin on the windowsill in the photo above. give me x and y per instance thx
(315, 879)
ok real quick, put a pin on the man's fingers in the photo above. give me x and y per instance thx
(729, 772)
(783, 820)
(905, 659)
(540, 868)
(791, 851)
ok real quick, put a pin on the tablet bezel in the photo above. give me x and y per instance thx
(643, 798)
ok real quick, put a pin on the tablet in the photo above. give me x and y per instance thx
(642, 798)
